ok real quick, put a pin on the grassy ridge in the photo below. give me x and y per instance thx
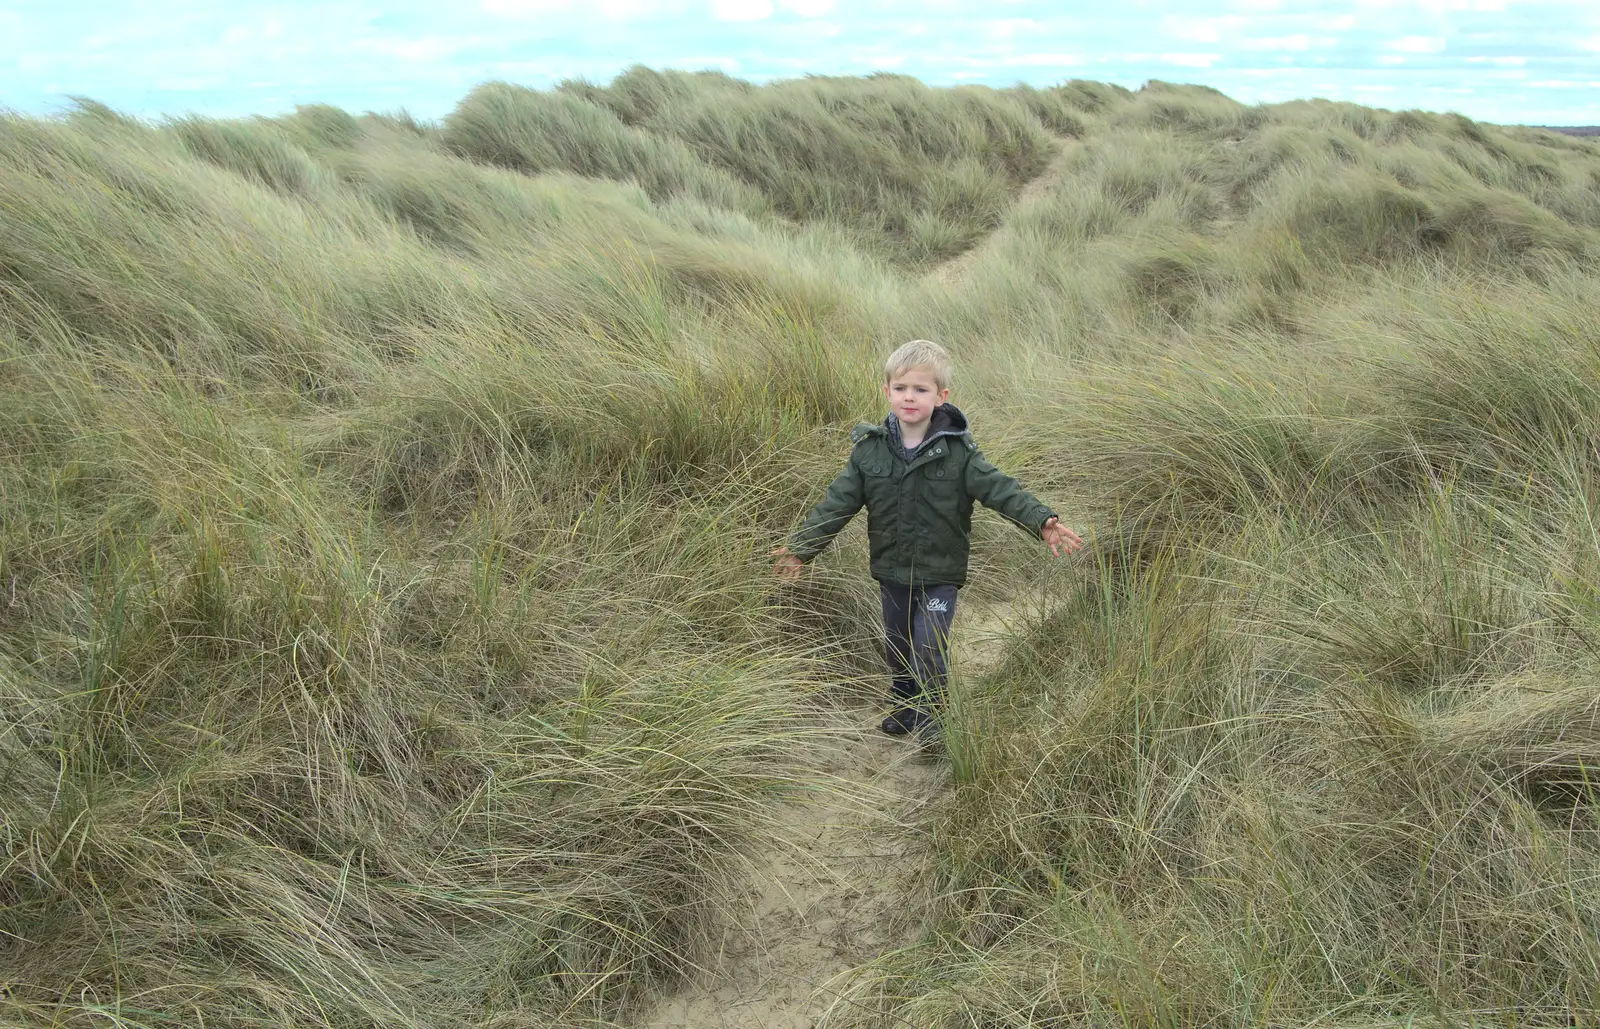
(910, 172)
(385, 638)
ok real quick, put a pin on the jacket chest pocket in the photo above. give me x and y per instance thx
(880, 481)
(943, 477)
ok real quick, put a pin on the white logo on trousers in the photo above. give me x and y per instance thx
(938, 605)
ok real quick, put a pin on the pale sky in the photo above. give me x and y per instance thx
(1528, 61)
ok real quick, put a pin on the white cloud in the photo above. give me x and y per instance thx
(428, 48)
(190, 83)
(1203, 30)
(1191, 60)
(613, 10)
(741, 10)
(1298, 42)
(625, 10)
(1391, 60)
(1042, 60)
(1006, 28)
(730, 65)
(807, 8)
(1417, 44)
(523, 8)
(264, 30)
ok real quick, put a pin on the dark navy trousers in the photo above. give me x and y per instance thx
(916, 622)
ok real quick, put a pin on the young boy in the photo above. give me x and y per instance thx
(917, 474)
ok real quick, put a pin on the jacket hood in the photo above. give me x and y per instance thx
(946, 420)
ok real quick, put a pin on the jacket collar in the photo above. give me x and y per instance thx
(947, 420)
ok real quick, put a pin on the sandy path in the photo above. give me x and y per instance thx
(953, 272)
(824, 892)
(826, 895)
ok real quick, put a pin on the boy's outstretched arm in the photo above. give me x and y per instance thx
(999, 491)
(844, 498)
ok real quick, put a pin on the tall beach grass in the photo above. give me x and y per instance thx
(386, 637)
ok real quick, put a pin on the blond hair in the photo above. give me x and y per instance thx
(920, 353)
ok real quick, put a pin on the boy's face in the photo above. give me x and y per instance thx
(913, 394)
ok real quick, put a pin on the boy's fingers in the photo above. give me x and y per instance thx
(1060, 537)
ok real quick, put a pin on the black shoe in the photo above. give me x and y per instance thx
(904, 720)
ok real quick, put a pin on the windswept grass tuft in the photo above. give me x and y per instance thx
(917, 173)
(529, 131)
(257, 151)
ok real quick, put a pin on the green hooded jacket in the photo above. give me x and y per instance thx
(919, 512)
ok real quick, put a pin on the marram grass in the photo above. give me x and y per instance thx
(386, 637)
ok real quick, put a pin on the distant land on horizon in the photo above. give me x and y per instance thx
(1573, 130)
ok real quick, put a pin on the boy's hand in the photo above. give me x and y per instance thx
(1060, 538)
(788, 567)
